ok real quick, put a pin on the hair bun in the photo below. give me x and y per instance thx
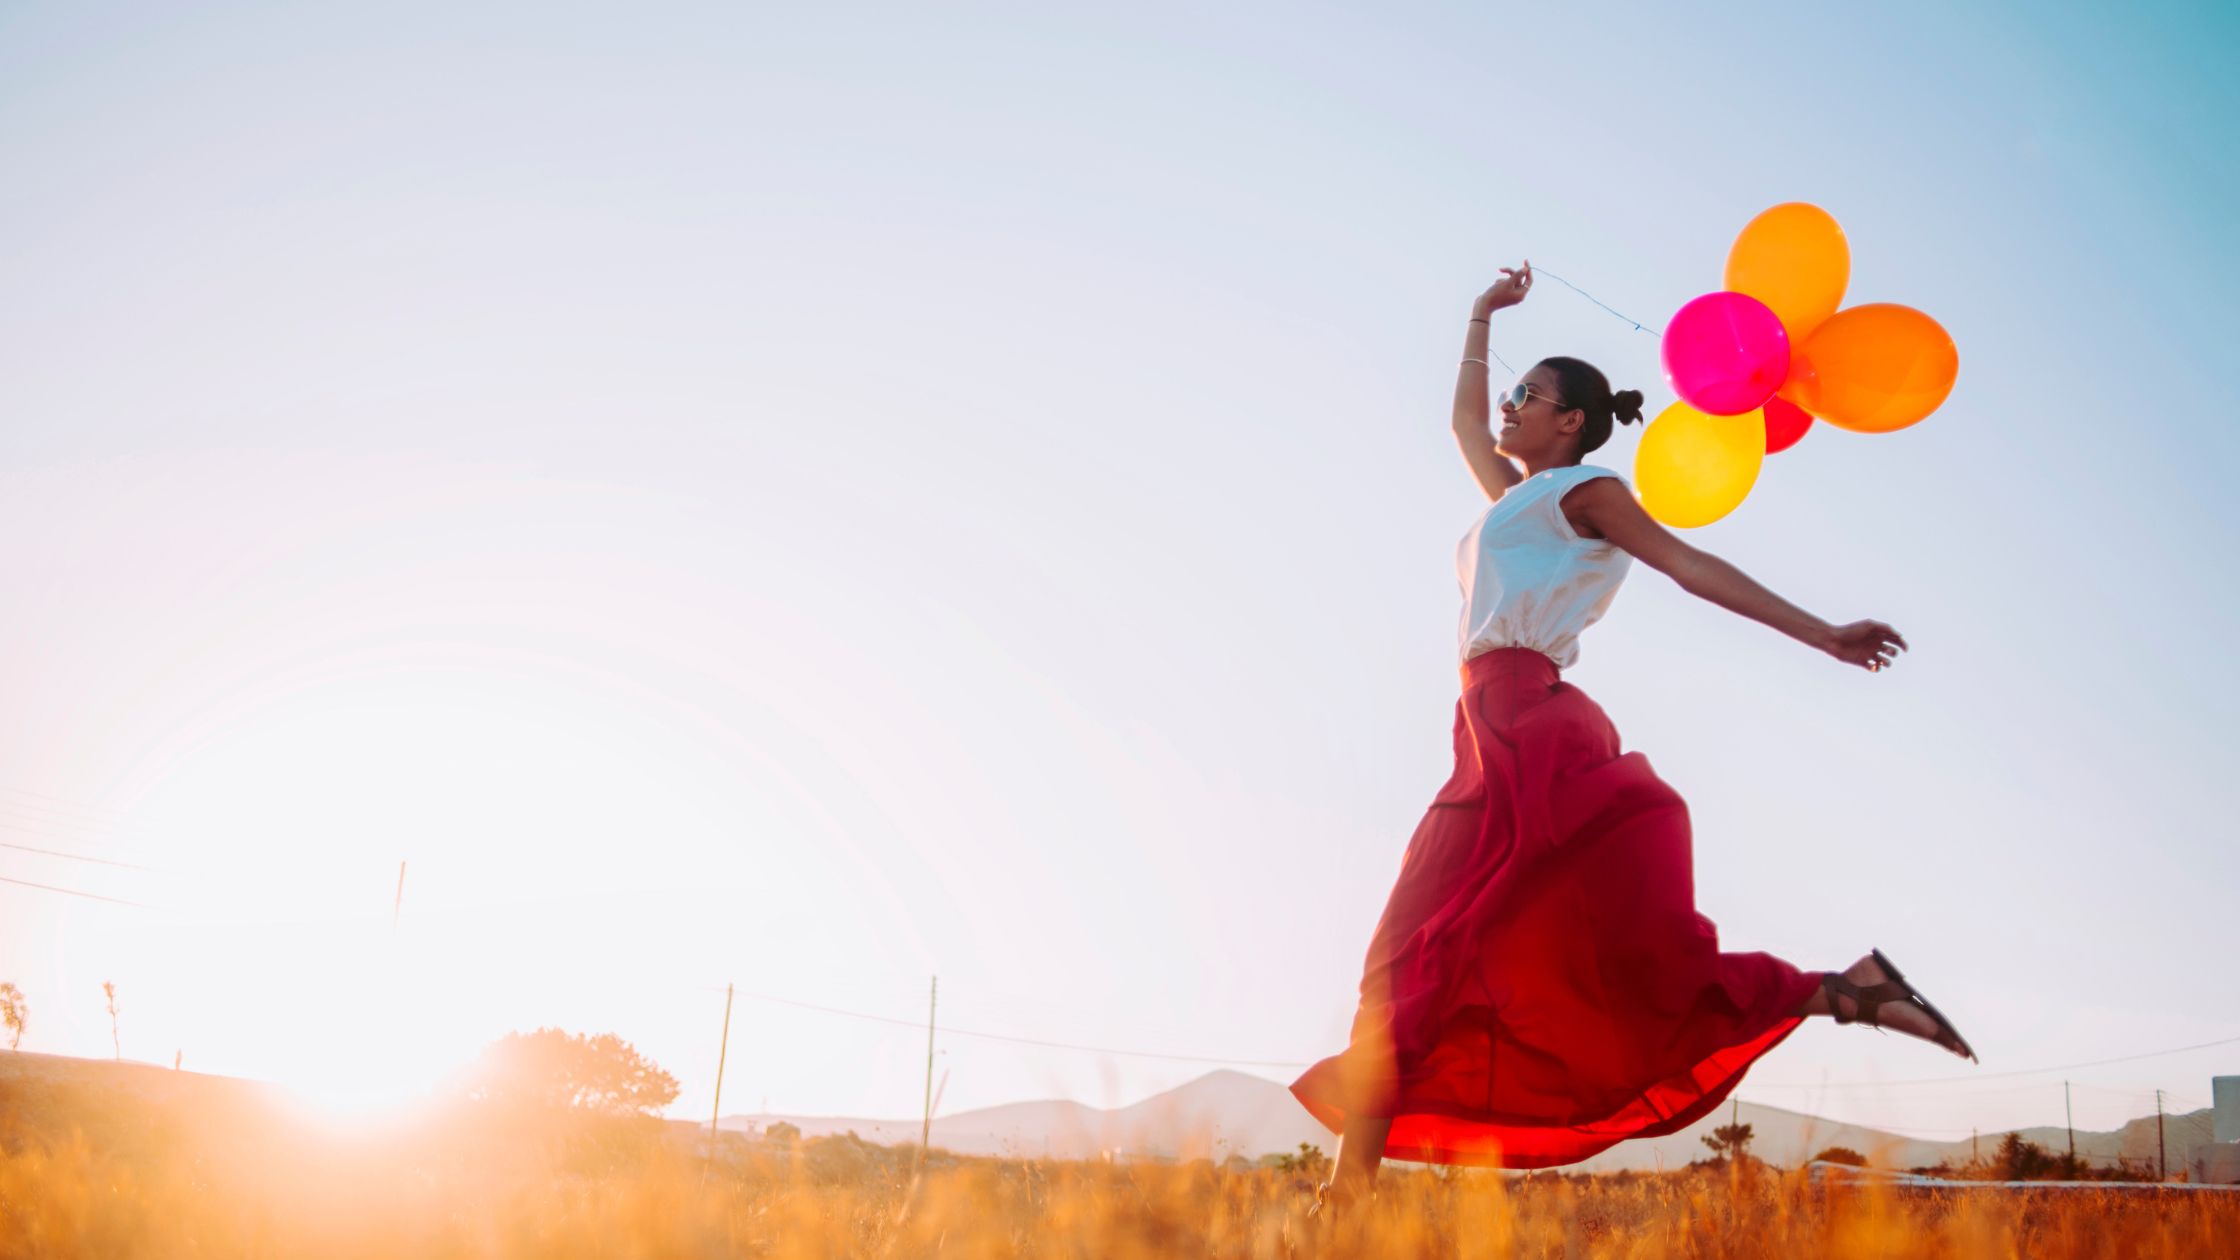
(1625, 405)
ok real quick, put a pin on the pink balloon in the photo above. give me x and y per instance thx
(1725, 353)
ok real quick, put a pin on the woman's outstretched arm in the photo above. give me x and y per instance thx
(1602, 507)
(1473, 403)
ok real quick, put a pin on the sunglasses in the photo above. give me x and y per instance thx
(1520, 393)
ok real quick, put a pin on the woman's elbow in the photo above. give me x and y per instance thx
(1692, 572)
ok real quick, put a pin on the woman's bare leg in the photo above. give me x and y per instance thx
(1360, 1150)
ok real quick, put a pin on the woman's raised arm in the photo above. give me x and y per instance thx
(1605, 508)
(1473, 402)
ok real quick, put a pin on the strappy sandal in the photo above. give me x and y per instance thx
(1328, 1202)
(1870, 999)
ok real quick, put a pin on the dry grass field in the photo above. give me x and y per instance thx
(161, 1168)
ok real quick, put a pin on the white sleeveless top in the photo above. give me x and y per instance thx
(1528, 579)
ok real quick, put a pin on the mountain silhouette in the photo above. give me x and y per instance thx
(1227, 1112)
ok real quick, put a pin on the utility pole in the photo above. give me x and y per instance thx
(723, 1051)
(397, 908)
(2072, 1114)
(1975, 1146)
(2161, 1152)
(925, 1131)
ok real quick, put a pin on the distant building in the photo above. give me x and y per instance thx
(2218, 1163)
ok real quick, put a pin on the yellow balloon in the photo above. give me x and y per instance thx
(1793, 258)
(1691, 469)
(1873, 368)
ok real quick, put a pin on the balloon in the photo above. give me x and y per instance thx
(1794, 259)
(1785, 424)
(1874, 368)
(1725, 353)
(1691, 468)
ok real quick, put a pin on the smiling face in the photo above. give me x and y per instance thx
(1544, 428)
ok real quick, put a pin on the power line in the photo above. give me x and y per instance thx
(72, 892)
(2037, 1088)
(75, 857)
(28, 792)
(1746, 1085)
(1133, 1054)
(1298, 1063)
(2120, 1091)
(46, 817)
(1152, 1054)
(16, 821)
(1998, 1091)
(1993, 1076)
(64, 830)
(1028, 1041)
(57, 804)
(45, 820)
(228, 870)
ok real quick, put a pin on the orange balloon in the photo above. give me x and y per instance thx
(1793, 258)
(1874, 368)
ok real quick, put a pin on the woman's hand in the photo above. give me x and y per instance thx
(1868, 644)
(1509, 290)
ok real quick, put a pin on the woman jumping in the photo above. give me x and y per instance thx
(1540, 986)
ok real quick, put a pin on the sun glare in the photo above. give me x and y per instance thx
(370, 1082)
(358, 1104)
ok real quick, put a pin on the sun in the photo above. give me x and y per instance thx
(375, 1079)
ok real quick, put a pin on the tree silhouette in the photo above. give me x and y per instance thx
(1840, 1155)
(558, 1071)
(14, 1012)
(1730, 1142)
(1309, 1160)
(2021, 1160)
(109, 991)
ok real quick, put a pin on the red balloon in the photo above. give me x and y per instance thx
(1785, 424)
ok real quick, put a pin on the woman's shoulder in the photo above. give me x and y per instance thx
(1564, 480)
(1572, 494)
(1543, 491)
(1566, 475)
(1588, 472)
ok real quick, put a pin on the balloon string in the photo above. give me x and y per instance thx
(1543, 271)
(1638, 325)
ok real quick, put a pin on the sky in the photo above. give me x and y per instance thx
(815, 498)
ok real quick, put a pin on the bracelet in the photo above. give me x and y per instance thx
(1480, 362)
(1475, 320)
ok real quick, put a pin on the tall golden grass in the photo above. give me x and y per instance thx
(121, 1161)
(272, 1189)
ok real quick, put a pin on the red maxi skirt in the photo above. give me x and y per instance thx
(1540, 986)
